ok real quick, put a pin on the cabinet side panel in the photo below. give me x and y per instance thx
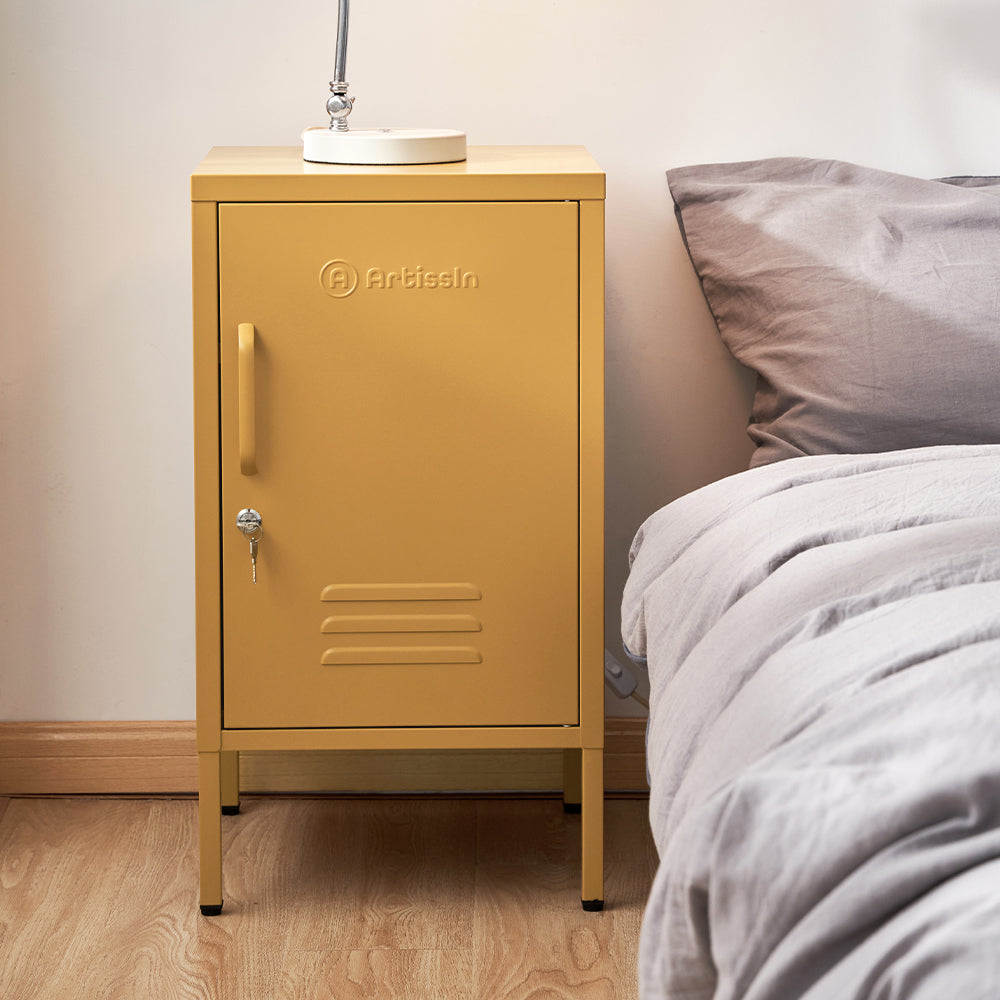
(592, 473)
(205, 285)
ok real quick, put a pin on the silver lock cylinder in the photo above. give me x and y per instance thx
(250, 523)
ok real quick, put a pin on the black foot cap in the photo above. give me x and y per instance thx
(230, 810)
(593, 905)
(211, 910)
(572, 808)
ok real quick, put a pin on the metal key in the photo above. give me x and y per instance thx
(250, 524)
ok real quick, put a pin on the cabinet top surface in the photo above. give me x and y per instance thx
(278, 173)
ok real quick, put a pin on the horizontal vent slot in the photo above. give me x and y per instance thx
(401, 623)
(401, 592)
(350, 655)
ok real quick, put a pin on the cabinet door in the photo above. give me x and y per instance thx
(410, 399)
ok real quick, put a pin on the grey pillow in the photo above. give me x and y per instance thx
(867, 302)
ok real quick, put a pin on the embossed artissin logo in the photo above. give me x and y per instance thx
(340, 278)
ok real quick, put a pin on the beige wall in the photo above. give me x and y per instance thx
(108, 105)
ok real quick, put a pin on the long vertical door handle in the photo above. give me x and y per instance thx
(246, 401)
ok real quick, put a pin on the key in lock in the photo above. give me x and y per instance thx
(250, 523)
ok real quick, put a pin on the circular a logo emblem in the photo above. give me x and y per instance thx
(338, 278)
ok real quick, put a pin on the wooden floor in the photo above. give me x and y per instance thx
(410, 899)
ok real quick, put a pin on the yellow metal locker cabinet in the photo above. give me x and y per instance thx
(399, 464)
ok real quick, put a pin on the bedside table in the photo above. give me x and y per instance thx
(398, 382)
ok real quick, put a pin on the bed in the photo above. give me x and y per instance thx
(822, 630)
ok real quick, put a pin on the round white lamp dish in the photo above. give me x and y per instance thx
(383, 146)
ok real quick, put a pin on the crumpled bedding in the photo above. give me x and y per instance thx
(822, 637)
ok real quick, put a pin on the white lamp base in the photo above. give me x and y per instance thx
(383, 146)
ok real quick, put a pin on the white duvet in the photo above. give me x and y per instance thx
(823, 643)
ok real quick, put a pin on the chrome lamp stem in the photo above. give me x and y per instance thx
(339, 105)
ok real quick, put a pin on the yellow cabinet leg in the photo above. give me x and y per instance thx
(230, 765)
(210, 831)
(571, 780)
(592, 825)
